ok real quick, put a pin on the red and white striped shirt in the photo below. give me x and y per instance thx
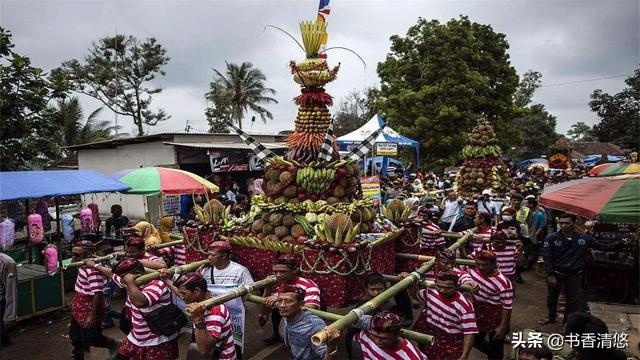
(454, 316)
(151, 257)
(218, 324)
(463, 277)
(428, 241)
(312, 292)
(157, 295)
(506, 258)
(177, 253)
(494, 289)
(485, 234)
(90, 281)
(371, 351)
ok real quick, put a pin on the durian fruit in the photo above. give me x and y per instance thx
(267, 229)
(288, 220)
(257, 225)
(213, 206)
(338, 191)
(280, 200)
(275, 219)
(286, 178)
(281, 231)
(340, 221)
(332, 200)
(297, 230)
(290, 191)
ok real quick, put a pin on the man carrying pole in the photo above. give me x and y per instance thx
(285, 270)
(493, 303)
(381, 338)
(220, 269)
(87, 306)
(212, 327)
(449, 317)
(134, 248)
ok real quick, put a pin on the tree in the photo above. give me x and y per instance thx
(219, 110)
(535, 127)
(25, 91)
(536, 132)
(619, 114)
(239, 90)
(528, 85)
(354, 110)
(440, 79)
(117, 72)
(580, 132)
(74, 130)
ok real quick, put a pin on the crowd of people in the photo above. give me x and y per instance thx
(469, 307)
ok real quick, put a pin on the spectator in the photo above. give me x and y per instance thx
(221, 270)
(466, 221)
(116, 222)
(451, 208)
(537, 229)
(8, 296)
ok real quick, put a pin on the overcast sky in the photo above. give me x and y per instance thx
(568, 41)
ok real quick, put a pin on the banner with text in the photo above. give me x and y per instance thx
(386, 149)
(371, 188)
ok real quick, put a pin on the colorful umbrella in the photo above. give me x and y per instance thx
(153, 180)
(612, 199)
(617, 169)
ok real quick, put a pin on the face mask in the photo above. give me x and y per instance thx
(507, 217)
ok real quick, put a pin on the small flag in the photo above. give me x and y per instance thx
(361, 150)
(327, 146)
(261, 151)
(323, 14)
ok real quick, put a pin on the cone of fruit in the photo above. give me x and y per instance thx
(482, 168)
(308, 201)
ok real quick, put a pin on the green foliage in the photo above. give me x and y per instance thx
(619, 114)
(73, 129)
(529, 83)
(440, 79)
(580, 132)
(236, 92)
(25, 91)
(117, 71)
(354, 110)
(536, 132)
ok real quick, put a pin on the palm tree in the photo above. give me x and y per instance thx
(247, 91)
(74, 130)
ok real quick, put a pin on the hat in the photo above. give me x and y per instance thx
(487, 192)
(286, 260)
(190, 280)
(509, 210)
(486, 255)
(135, 241)
(219, 245)
(126, 265)
(386, 321)
(447, 254)
(499, 235)
(448, 275)
(85, 244)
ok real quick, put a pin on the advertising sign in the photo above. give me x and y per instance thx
(386, 149)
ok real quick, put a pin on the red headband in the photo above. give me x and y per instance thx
(126, 265)
(386, 321)
(486, 255)
(135, 241)
(447, 276)
(219, 245)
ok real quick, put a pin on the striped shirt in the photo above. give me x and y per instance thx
(494, 289)
(506, 258)
(218, 324)
(463, 277)
(485, 234)
(157, 295)
(454, 316)
(177, 253)
(90, 281)
(151, 257)
(312, 292)
(431, 241)
(371, 351)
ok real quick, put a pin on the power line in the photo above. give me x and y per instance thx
(585, 80)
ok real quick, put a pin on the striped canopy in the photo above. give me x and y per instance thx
(154, 180)
(613, 169)
(611, 199)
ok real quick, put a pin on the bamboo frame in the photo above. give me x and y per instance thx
(423, 258)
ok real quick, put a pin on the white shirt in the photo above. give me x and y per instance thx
(451, 209)
(232, 274)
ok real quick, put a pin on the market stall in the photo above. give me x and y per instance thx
(614, 202)
(39, 290)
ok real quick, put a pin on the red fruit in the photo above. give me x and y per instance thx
(292, 169)
(314, 197)
(302, 196)
(341, 171)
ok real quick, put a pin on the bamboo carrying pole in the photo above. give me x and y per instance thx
(411, 335)
(241, 291)
(455, 235)
(423, 283)
(352, 316)
(423, 258)
(173, 270)
(113, 255)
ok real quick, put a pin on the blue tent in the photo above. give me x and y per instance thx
(525, 163)
(16, 185)
(388, 135)
(593, 159)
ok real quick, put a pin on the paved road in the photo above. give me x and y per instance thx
(45, 338)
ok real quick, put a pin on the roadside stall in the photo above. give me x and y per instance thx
(614, 203)
(41, 291)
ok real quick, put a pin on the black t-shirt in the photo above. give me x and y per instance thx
(117, 224)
